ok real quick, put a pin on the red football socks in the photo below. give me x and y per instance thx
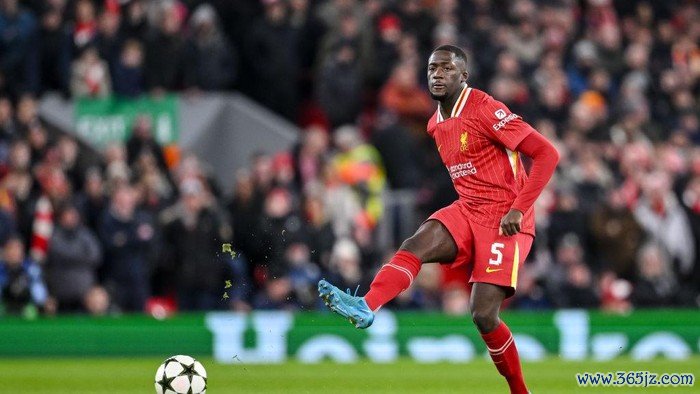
(393, 278)
(505, 356)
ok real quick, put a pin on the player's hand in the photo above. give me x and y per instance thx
(510, 224)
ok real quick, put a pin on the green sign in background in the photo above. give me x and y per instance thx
(103, 121)
(675, 334)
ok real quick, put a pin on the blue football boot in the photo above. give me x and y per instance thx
(351, 307)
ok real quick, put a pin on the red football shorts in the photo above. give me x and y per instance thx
(482, 254)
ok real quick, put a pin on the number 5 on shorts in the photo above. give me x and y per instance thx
(496, 250)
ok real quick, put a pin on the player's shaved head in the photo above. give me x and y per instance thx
(447, 73)
(455, 50)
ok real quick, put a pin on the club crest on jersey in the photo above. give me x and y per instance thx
(463, 139)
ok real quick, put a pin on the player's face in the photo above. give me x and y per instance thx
(445, 75)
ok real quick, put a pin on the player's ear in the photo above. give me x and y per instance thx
(465, 76)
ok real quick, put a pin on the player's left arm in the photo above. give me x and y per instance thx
(515, 134)
(544, 161)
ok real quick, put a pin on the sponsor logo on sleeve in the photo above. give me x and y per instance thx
(500, 114)
(504, 119)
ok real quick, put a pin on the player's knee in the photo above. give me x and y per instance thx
(417, 245)
(431, 243)
(411, 244)
(486, 321)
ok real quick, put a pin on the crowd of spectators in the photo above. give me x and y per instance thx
(614, 84)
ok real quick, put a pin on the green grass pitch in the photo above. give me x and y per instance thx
(117, 376)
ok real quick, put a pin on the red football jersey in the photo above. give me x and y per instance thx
(478, 145)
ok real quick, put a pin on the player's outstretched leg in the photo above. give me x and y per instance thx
(431, 243)
(486, 302)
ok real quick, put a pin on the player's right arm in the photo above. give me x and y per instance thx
(544, 161)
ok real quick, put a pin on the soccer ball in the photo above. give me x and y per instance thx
(181, 375)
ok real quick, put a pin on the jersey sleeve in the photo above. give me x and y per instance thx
(501, 125)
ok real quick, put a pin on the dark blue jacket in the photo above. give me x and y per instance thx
(125, 249)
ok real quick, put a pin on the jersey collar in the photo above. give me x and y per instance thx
(459, 104)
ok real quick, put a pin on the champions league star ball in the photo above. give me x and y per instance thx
(181, 375)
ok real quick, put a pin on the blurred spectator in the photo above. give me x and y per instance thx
(143, 142)
(403, 171)
(116, 167)
(126, 233)
(85, 25)
(303, 274)
(418, 22)
(349, 21)
(135, 23)
(55, 192)
(271, 47)
(318, 228)
(129, 80)
(70, 161)
(690, 197)
(614, 293)
(309, 30)
(656, 284)
(21, 284)
(278, 226)
(8, 126)
(97, 302)
(262, 173)
(90, 75)
(359, 165)
(308, 156)
(345, 265)
(526, 44)
(615, 236)
(567, 219)
(165, 50)
(154, 186)
(210, 61)
(19, 184)
(241, 291)
(195, 230)
(8, 223)
(570, 281)
(403, 95)
(341, 204)
(339, 85)
(591, 176)
(38, 140)
(660, 214)
(19, 69)
(578, 289)
(54, 50)
(275, 295)
(27, 114)
(92, 200)
(73, 258)
(108, 39)
(283, 168)
(245, 209)
(387, 47)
